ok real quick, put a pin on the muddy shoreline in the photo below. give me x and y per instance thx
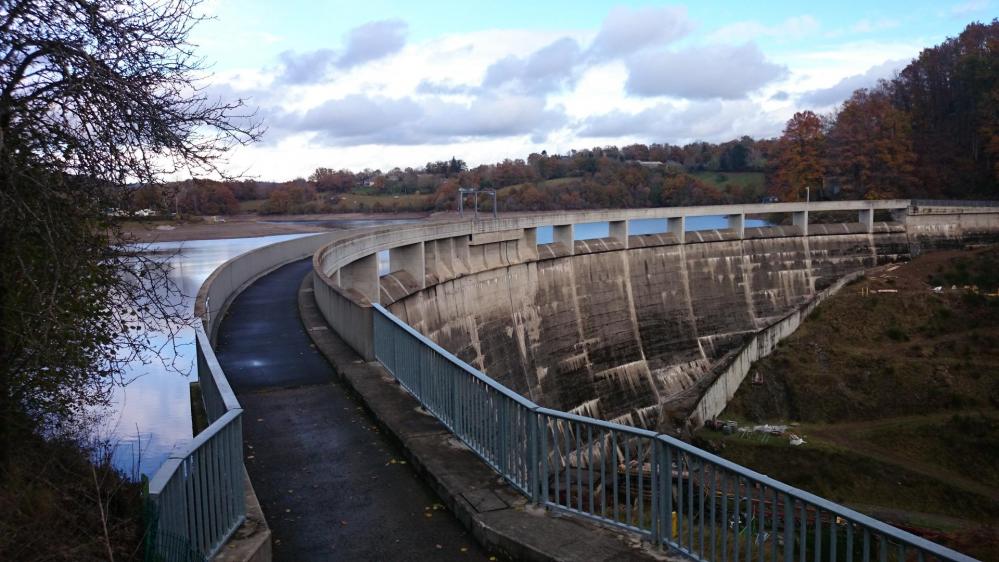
(245, 226)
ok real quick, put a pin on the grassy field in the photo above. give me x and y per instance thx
(896, 395)
(724, 180)
(357, 202)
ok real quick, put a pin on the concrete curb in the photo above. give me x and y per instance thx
(499, 517)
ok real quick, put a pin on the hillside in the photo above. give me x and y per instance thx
(895, 388)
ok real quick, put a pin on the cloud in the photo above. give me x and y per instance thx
(719, 71)
(795, 27)
(358, 116)
(544, 70)
(444, 88)
(373, 41)
(358, 119)
(712, 120)
(843, 89)
(490, 116)
(969, 7)
(867, 26)
(365, 43)
(629, 30)
(306, 68)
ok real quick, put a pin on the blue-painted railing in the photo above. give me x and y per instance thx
(657, 486)
(197, 495)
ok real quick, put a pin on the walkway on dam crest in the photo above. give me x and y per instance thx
(331, 485)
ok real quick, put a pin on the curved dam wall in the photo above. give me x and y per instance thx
(634, 335)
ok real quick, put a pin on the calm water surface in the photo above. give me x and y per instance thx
(151, 415)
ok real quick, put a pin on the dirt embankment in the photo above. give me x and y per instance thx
(894, 384)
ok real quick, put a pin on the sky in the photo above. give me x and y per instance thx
(378, 84)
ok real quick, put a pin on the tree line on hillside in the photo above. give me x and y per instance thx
(930, 132)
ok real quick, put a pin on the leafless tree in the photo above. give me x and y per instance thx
(97, 97)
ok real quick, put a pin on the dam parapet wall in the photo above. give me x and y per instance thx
(648, 330)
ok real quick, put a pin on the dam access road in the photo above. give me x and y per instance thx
(331, 485)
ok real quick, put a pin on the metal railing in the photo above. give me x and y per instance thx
(657, 486)
(196, 496)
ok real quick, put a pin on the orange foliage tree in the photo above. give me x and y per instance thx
(870, 150)
(799, 156)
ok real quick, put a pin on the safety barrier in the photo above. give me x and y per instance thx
(655, 485)
(197, 494)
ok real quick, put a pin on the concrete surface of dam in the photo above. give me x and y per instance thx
(632, 335)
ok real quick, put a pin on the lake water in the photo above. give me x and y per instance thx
(151, 416)
(588, 231)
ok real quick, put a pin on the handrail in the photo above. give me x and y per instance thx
(653, 484)
(197, 494)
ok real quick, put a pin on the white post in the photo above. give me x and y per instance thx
(619, 232)
(411, 259)
(677, 226)
(362, 276)
(562, 234)
(867, 219)
(738, 224)
(800, 219)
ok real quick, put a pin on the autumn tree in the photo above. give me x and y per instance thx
(296, 197)
(335, 181)
(949, 94)
(799, 156)
(870, 150)
(206, 197)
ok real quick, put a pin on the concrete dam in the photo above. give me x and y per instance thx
(635, 335)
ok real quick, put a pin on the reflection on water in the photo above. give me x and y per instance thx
(151, 415)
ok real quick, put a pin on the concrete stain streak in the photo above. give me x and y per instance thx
(632, 334)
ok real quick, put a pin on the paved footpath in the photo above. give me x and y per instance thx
(331, 485)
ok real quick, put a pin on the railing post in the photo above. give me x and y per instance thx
(788, 528)
(503, 437)
(533, 456)
(656, 522)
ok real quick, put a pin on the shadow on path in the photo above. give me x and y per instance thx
(331, 485)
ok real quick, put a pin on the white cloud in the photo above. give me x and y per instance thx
(712, 120)
(492, 94)
(359, 119)
(373, 41)
(365, 43)
(629, 30)
(842, 90)
(795, 27)
(720, 71)
(969, 7)
(542, 71)
(868, 26)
